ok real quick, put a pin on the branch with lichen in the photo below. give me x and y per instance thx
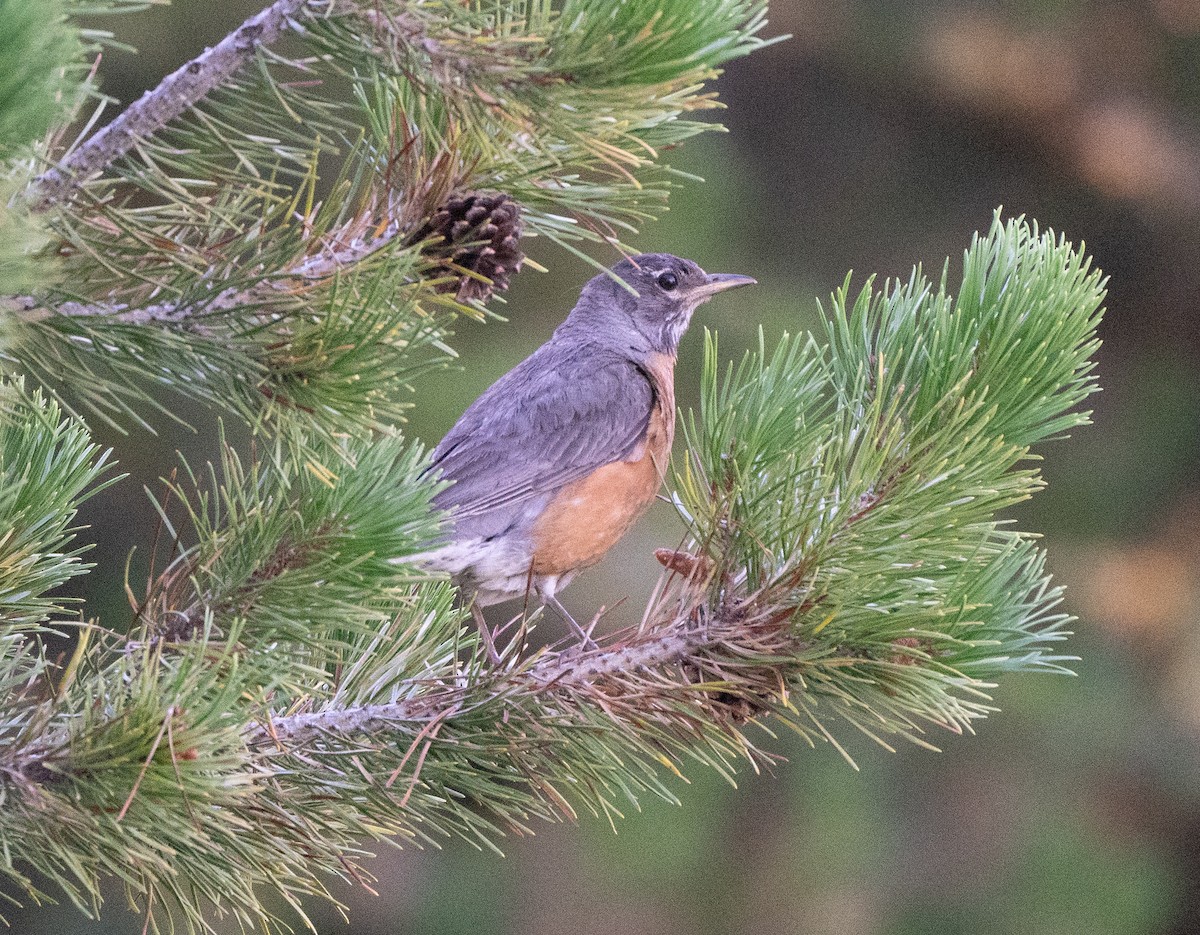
(183, 88)
(329, 261)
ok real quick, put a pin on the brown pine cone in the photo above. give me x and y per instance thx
(481, 232)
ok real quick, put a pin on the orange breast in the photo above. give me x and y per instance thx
(587, 517)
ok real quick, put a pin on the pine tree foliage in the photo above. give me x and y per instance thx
(854, 489)
(48, 465)
(266, 237)
(38, 49)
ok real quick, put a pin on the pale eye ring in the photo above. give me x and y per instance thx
(668, 281)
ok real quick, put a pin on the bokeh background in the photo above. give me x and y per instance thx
(882, 135)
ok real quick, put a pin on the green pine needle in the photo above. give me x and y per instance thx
(48, 466)
(37, 49)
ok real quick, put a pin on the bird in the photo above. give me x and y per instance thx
(553, 463)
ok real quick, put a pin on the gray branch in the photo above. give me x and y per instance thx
(191, 83)
(175, 93)
(571, 669)
(316, 266)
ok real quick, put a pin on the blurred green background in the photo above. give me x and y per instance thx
(882, 135)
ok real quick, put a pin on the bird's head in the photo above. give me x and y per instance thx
(669, 290)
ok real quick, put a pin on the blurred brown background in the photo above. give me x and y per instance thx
(882, 135)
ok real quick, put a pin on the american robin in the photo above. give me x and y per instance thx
(554, 462)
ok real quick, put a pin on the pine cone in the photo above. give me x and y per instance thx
(481, 231)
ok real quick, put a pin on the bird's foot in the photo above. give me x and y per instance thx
(485, 634)
(585, 635)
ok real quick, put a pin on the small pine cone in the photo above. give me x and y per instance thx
(481, 232)
(903, 656)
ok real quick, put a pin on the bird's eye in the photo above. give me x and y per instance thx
(668, 281)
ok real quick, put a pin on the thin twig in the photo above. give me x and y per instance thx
(312, 268)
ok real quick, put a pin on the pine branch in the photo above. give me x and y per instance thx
(606, 671)
(181, 89)
(620, 669)
(320, 266)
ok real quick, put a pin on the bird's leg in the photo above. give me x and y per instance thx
(585, 638)
(485, 633)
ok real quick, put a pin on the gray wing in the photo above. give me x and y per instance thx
(552, 420)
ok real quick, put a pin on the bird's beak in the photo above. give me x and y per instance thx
(719, 282)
